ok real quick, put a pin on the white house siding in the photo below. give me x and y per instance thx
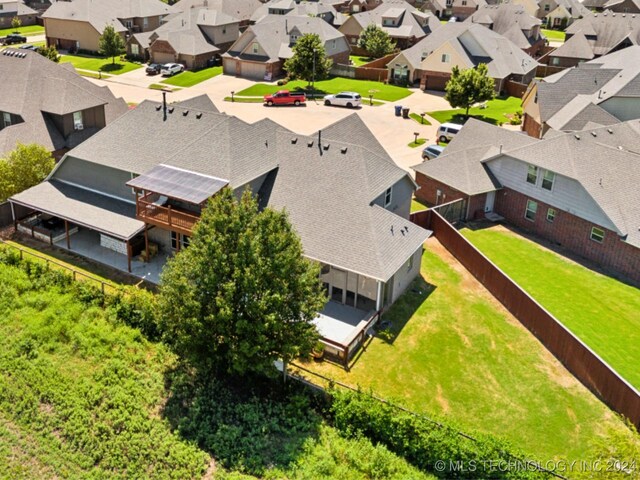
(401, 194)
(567, 194)
(623, 108)
(404, 276)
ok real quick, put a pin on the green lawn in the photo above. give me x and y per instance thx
(357, 60)
(417, 205)
(495, 113)
(162, 86)
(554, 35)
(419, 119)
(381, 91)
(453, 351)
(421, 141)
(188, 78)
(603, 312)
(26, 31)
(100, 64)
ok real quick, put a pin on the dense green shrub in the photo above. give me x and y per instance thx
(425, 444)
(137, 308)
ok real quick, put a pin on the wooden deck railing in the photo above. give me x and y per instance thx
(165, 216)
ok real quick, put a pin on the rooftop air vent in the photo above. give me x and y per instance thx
(343, 150)
(294, 140)
(199, 115)
(171, 109)
(158, 108)
(609, 130)
(594, 134)
(185, 113)
(326, 146)
(310, 143)
(577, 136)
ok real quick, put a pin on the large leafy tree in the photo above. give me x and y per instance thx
(241, 295)
(375, 41)
(23, 168)
(50, 52)
(469, 86)
(309, 61)
(111, 43)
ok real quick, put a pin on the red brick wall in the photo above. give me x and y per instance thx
(428, 194)
(572, 233)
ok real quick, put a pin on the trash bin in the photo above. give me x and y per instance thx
(398, 110)
(405, 113)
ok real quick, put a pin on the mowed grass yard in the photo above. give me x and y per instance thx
(603, 312)
(100, 64)
(26, 31)
(495, 113)
(453, 351)
(381, 91)
(188, 78)
(554, 35)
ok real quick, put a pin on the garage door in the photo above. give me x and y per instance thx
(254, 71)
(229, 66)
(161, 57)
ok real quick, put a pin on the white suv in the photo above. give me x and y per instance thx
(169, 69)
(344, 99)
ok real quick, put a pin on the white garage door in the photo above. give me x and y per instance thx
(229, 66)
(254, 71)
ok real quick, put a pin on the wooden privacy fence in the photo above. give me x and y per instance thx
(577, 357)
(77, 275)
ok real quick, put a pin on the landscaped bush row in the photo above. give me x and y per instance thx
(434, 448)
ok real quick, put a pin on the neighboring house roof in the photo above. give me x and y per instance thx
(460, 165)
(241, 9)
(628, 6)
(273, 33)
(605, 161)
(185, 35)
(409, 21)
(331, 180)
(509, 20)
(571, 8)
(565, 95)
(19, 10)
(575, 47)
(101, 13)
(503, 57)
(33, 87)
(605, 32)
(576, 114)
(312, 9)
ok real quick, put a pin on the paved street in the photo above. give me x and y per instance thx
(393, 133)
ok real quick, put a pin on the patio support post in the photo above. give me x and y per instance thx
(66, 232)
(379, 297)
(146, 242)
(128, 256)
(355, 297)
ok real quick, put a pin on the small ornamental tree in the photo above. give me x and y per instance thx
(23, 168)
(309, 61)
(50, 52)
(16, 23)
(111, 43)
(241, 295)
(469, 86)
(375, 41)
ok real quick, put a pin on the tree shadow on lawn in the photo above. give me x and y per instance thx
(111, 67)
(403, 310)
(249, 424)
(461, 119)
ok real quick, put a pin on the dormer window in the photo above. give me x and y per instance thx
(388, 196)
(254, 48)
(77, 121)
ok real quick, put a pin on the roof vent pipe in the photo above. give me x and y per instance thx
(164, 105)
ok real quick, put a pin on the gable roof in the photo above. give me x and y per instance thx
(412, 22)
(501, 55)
(240, 9)
(575, 47)
(32, 87)
(507, 19)
(101, 13)
(606, 31)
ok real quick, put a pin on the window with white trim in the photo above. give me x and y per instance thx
(254, 48)
(530, 211)
(446, 58)
(77, 121)
(532, 174)
(387, 196)
(6, 118)
(551, 215)
(410, 263)
(597, 234)
(145, 22)
(547, 180)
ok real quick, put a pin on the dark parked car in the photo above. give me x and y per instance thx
(153, 69)
(14, 38)
(29, 47)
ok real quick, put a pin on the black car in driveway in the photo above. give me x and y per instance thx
(153, 69)
(14, 38)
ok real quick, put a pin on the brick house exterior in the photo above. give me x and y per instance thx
(428, 189)
(570, 232)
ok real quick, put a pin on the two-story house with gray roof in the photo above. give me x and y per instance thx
(577, 190)
(49, 103)
(130, 196)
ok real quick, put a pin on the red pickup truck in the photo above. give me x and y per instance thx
(285, 97)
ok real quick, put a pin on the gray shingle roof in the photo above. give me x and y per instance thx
(241, 9)
(98, 212)
(33, 85)
(503, 57)
(508, 19)
(610, 30)
(576, 47)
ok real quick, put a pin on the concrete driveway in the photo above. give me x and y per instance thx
(394, 133)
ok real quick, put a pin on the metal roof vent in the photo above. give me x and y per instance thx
(185, 113)
(326, 146)
(609, 130)
(310, 143)
(171, 109)
(294, 140)
(594, 134)
(199, 115)
(158, 108)
(577, 136)
(343, 150)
